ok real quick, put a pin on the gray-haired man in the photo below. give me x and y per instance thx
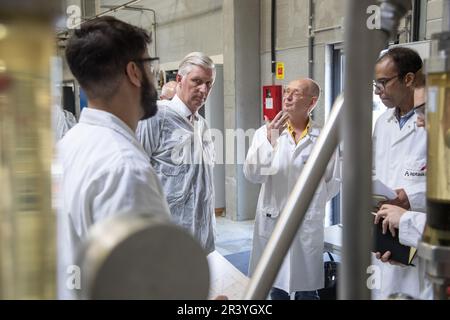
(181, 150)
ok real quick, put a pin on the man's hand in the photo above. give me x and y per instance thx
(276, 126)
(386, 258)
(420, 120)
(401, 200)
(391, 218)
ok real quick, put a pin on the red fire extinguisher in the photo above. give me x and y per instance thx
(272, 100)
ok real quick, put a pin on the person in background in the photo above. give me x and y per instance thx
(63, 121)
(420, 97)
(276, 158)
(168, 90)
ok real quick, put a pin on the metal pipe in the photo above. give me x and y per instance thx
(293, 213)
(326, 29)
(416, 20)
(273, 36)
(357, 138)
(113, 9)
(446, 16)
(357, 151)
(311, 40)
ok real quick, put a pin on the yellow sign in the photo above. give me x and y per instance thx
(280, 71)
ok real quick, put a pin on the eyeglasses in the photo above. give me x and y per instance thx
(380, 84)
(295, 93)
(154, 63)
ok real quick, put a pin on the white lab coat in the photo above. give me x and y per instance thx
(277, 169)
(63, 121)
(400, 158)
(183, 158)
(102, 171)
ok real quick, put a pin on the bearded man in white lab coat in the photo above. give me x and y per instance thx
(400, 162)
(181, 149)
(104, 169)
(277, 155)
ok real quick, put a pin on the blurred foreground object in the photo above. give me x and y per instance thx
(142, 257)
(27, 234)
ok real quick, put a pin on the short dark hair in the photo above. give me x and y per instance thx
(405, 59)
(99, 51)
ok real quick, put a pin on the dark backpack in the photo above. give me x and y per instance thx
(329, 292)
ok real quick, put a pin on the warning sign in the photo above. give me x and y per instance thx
(280, 71)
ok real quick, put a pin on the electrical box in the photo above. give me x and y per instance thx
(272, 100)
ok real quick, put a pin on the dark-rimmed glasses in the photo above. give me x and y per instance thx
(379, 85)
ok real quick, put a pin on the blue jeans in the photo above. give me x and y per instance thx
(278, 294)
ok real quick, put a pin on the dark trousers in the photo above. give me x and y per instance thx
(278, 294)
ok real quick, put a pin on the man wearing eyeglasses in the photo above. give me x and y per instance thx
(181, 150)
(276, 157)
(104, 170)
(400, 162)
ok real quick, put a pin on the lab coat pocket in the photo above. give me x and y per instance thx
(266, 222)
(171, 170)
(320, 197)
(311, 231)
(173, 180)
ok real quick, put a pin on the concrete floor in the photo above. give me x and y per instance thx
(233, 236)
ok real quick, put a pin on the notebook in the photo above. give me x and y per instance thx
(386, 242)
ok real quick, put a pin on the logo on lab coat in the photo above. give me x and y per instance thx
(409, 173)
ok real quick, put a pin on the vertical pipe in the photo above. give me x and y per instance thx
(311, 40)
(416, 20)
(446, 16)
(357, 167)
(273, 22)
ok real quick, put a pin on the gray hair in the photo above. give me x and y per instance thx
(196, 59)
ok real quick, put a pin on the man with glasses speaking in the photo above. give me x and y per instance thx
(276, 158)
(400, 162)
(181, 150)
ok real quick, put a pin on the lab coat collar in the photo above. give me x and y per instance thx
(163, 102)
(394, 111)
(408, 128)
(391, 116)
(313, 133)
(105, 119)
(179, 107)
(314, 130)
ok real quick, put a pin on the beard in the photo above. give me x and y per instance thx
(149, 96)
